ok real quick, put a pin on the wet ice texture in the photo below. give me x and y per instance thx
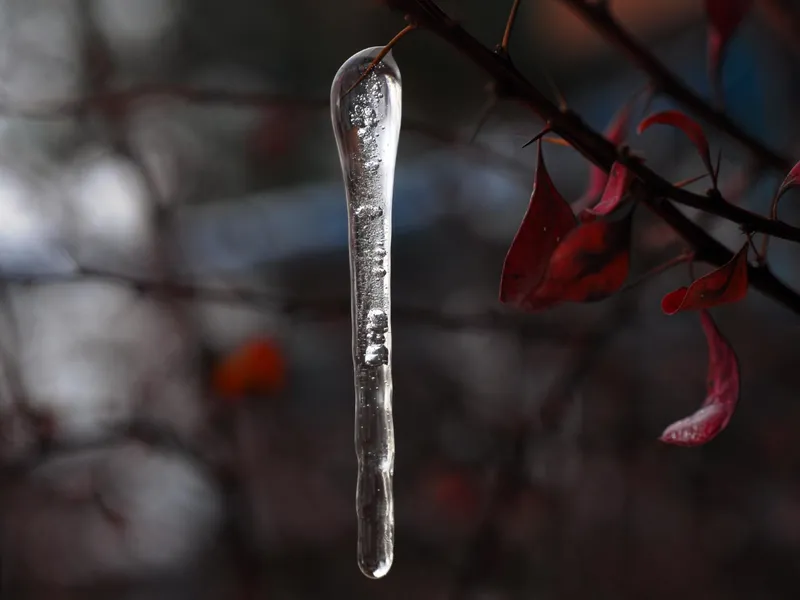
(366, 122)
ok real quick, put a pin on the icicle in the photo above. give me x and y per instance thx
(366, 122)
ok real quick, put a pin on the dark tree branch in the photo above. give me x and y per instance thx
(600, 19)
(314, 308)
(601, 152)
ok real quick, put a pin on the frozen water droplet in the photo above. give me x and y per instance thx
(376, 354)
(369, 212)
(372, 110)
(377, 320)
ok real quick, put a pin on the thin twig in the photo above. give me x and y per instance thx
(658, 270)
(690, 180)
(512, 17)
(381, 55)
(761, 258)
(598, 17)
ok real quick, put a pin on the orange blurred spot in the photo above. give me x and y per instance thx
(456, 494)
(255, 368)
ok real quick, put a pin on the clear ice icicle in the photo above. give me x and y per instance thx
(366, 122)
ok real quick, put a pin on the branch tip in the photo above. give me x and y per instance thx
(381, 55)
(538, 136)
(512, 17)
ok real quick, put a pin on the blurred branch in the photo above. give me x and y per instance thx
(38, 421)
(330, 308)
(598, 16)
(115, 102)
(604, 154)
(154, 435)
(784, 18)
(509, 478)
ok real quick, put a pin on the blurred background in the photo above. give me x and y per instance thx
(177, 388)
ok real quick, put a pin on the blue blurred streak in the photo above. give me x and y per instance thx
(279, 225)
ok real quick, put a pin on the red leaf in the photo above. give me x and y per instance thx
(722, 396)
(589, 265)
(619, 180)
(548, 219)
(791, 180)
(690, 127)
(257, 367)
(724, 17)
(722, 286)
(616, 132)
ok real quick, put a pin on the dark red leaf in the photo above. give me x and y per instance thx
(722, 286)
(619, 180)
(791, 180)
(690, 127)
(589, 265)
(724, 17)
(616, 132)
(548, 219)
(722, 395)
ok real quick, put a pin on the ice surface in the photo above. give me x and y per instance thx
(366, 122)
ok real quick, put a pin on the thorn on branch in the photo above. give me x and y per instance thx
(538, 136)
(690, 180)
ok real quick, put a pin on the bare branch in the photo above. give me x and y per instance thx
(598, 17)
